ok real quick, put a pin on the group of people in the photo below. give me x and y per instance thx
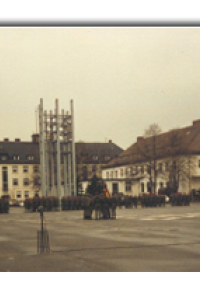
(104, 207)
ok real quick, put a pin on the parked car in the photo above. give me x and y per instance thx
(21, 203)
(13, 202)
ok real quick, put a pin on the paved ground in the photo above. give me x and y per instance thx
(143, 239)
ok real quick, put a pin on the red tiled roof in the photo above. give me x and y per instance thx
(189, 138)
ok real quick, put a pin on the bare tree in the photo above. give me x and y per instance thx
(180, 162)
(36, 182)
(148, 153)
(170, 148)
(153, 130)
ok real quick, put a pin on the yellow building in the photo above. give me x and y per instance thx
(20, 165)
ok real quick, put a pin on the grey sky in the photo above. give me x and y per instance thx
(121, 79)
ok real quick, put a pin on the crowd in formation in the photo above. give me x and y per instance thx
(48, 203)
(104, 207)
(4, 204)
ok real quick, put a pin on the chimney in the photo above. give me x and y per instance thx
(110, 141)
(35, 138)
(196, 122)
(17, 140)
(6, 140)
(140, 138)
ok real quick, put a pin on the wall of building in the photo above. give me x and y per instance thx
(115, 175)
(17, 189)
(21, 191)
(118, 176)
(92, 169)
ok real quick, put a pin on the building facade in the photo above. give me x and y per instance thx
(170, 159)
(20, 165)
(92, 157)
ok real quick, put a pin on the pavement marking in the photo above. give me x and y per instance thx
(73, 219)
(4, 238)
(167, 217)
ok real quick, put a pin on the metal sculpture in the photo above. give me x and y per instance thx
(57, 148)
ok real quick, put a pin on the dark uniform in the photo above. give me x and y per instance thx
(97, 207)
(88, 208)
(113, 204)
(105, 208)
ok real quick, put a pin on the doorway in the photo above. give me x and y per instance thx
(115, 188)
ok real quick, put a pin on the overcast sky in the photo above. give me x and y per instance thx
(121, 79)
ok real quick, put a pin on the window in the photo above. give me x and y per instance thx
(26, 181)
(160, 167)
(107, 157)
(128, 186)
(35, 169)
(148, 187)
(142, 187)
(128, 171)
(26, 194)
(3, 157)
(134, 169)
(93, 168)
(15, 157)
(166, 166)
(94, 157)
(15, 169)
(142, 169)
(18, 194)
(15, 181)
(111, 174)
(30, 157)
(36, 194)
(116, 174)
(25, 169)
(121, 172)
(5, 179)
(107, 174)
(115, 188)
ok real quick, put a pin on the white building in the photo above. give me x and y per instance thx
(173, 156)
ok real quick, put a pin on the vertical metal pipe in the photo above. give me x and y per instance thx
(58, 154)
(52, 155)
(46, 146)
(64, 152)
(42, 158)
(73, 149)
(69, 157)
(69, 168)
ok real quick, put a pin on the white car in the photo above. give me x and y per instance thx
(166, 198)
(13, 202)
